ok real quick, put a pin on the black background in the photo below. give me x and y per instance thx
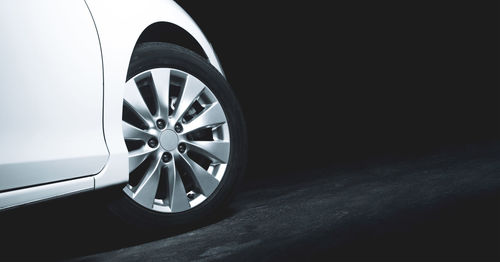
(328, 82)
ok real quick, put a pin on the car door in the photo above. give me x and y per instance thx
(51, 93)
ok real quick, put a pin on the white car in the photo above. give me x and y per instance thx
(99, 94)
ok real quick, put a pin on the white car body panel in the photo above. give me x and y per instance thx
(118, 25)
(51, 100)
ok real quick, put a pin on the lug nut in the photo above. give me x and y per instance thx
(166, 157)
(160, 123)
(152, 142)
(182, 147)
(178, 128)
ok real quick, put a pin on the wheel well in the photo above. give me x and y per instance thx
(170, 33)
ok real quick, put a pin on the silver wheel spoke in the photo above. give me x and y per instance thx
(191, 91)
(136, 102)
(204, 180)
(218, 151)
(161, 80)
(132, 132)
(136, 157)
(176, 192)
(210, 117)
(145, 191)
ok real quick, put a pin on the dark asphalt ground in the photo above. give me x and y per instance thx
(438, 206)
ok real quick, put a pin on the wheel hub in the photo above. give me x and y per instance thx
(169, 140)
(169, 114)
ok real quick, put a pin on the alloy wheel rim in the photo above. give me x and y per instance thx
(177, 138)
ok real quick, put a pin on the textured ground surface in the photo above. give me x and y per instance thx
(438, 206)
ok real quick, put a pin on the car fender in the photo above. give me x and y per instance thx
(119, 24)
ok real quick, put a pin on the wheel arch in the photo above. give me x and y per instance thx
(167, 32)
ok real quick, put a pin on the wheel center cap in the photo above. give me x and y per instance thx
(169, 140)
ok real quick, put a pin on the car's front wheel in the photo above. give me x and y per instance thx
(185, 135)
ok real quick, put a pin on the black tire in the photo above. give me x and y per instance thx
(147, 56)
